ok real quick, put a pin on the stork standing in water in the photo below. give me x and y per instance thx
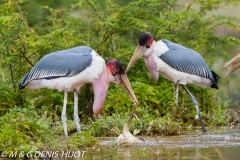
(69, 69)
(176, 63)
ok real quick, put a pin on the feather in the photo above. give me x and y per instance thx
(63, 63)
(186, 60)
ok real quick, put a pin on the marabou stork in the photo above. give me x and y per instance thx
(177, 63)
(69, 69)
(232, 65)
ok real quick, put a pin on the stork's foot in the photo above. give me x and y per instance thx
(126, 138)
(202, 124)
(78, 126)
(194, 101)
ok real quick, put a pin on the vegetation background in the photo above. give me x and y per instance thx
(31, 29)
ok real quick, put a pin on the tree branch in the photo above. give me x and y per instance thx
(21, 13)
(93, 8)
(23, 54)
(101, 42)
(19, 10)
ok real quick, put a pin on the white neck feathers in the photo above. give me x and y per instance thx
(159, 48)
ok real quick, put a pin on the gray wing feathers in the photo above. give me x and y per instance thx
(186, 60)
(63, 63)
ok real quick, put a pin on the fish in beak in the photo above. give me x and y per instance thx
(123, 81)
(138, 53)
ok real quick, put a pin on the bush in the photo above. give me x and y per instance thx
(113, 31)
(23, 130)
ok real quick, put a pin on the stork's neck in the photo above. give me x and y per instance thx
(159, 48)
(100, 88)
(149, 51)
(150, 63)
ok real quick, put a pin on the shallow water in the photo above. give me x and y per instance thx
(221, 144)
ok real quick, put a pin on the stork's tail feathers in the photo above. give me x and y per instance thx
(215, 80)
(22, 83)
(20, 86)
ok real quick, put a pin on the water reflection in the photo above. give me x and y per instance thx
(222, 145)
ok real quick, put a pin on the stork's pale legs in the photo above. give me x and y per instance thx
(76, 118)
(176, 97)
(63, 116)
(196, 106)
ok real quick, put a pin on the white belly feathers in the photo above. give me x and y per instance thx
(172, 74)
(88, 75)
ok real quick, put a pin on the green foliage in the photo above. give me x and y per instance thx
(107, 126)
(146, 125)
(24, 130)
(83, 139)
(8, 98)
(113, 31)
(220, 115)
(164, 126)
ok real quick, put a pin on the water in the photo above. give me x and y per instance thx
(222, 145)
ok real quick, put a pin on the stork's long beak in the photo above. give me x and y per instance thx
(136, 55)
(123, 81)
(232, 65)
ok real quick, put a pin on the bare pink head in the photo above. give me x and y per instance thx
(115, 72)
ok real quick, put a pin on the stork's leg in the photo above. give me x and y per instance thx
(63, 116)
(196, 106)
(176, 97)
(76, 118)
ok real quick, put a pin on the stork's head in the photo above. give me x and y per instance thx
(144, 43)
(120, 77)
(114, 72)
(145, 40)
(116, 67)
